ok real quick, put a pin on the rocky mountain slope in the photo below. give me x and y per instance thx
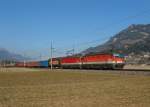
(133, 40)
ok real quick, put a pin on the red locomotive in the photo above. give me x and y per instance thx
(71, 62)
(103, 61)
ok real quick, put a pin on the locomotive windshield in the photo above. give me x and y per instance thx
(119, 55)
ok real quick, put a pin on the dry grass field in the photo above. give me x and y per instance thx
(43, 88)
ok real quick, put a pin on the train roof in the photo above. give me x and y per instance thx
(90, 54)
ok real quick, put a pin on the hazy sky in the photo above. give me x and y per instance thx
(30, 25)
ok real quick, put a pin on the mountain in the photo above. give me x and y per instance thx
(6, 55)
(133, 40)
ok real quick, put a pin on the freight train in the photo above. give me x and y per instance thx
(91, 61)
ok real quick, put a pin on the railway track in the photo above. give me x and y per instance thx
(123, 71)
(131, 71)
(119, 71)
(138, 70)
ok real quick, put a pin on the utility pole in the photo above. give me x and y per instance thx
(24, 62)
(40, 56)
(73, 50)
(51, 56)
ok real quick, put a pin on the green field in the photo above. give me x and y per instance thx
(44, 88)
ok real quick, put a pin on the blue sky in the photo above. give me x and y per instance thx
(29, 26)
